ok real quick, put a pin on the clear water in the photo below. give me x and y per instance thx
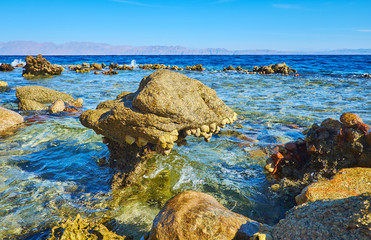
(49, 170)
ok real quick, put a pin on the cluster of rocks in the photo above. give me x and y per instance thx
(6, 67)
(86, 67)
(326, 149)
(40, 67)
(281, 68)
(39, 98)
(238, 69)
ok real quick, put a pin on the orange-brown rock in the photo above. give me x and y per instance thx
(350, 119)
(347, 183)
(196, 215)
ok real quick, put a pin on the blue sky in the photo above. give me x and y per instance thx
(231, 24)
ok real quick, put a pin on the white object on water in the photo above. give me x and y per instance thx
(17, 61)
(133, 64)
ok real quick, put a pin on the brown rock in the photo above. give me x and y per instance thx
(9, 118)
(40, 67)
(331, 125)
(31, 105)
(195, 215)
(57, 106)
(347, 183)
(5, 67)
(350, 119)
(77, 103)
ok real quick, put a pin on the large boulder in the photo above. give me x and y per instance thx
(37, 97)
(166, 108)
(347, 183)
(5, 67)
(82, 229)
(196, 215)
(40, 67)
(348, 218)
(8, 119)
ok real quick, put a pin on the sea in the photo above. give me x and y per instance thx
(50, 171)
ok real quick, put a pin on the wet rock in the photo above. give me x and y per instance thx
(125, 67)
(5, 67)
(83, 70)
(82, 229)
(8, 119)
(3, 84)
(347, 218)
(96, 72)
(74, 67)
(77, 103)
(347, 183)
(40, 67)
(166, 108)
(113, 66)
(326, 149)
(195, 68)
(57, 106)
(274, 68)
(35, 97)
(85, 65)
(196, 215)
(229, 68)
(110, 72)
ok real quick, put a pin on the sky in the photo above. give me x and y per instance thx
(230, 24)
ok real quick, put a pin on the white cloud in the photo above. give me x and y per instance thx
(364, 30)
(286, 6)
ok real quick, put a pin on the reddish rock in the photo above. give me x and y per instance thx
(5, 67)
(350, 119)
(291, 146)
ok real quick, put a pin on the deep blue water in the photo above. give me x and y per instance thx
(49, 170)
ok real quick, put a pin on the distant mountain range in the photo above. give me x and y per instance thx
(89, 48)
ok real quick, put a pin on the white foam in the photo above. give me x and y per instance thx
(17, 61)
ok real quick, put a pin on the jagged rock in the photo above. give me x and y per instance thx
(40, 67)
(5, 67)
(166, 108)
(276, 68)
(8, 119)
(325, 150)
(125, 67)
(3, 84)
(35, 97)
(196, 215)
(96, 66)
(347, 183)
(57, 106)
(348, 218)
(82, 229)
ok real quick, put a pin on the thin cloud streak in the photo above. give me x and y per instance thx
(286, 6)
(364, 30)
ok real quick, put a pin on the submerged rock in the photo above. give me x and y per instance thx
(36, 97)
(348, 218)
(8, 119)
(82, 229)
(40, 67)
(166, 108)
(347, 183)
(196, 215)
(5, 67)
(326, 149)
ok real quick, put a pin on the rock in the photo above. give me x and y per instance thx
(347, 183)
(229, 68)
(276, 68)
(96, 72)
(348, 218)
(34, 97)
(77, 103)
(96, 66)
(166, 106)
(84, 70)
(3, 84)
(196, 215)
(82, 229)
(57, 106)
(5, 67)
(40, 67)
(8, 119)
(110, 72)
(85, 65)
(350, 119)
(195, 68)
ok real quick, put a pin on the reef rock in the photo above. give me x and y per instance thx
(326, 149)
(5, 67)
(35, 97)
(96, 66)
(348, 218)
(8, 119)
(166, 108)
(274, 68)
(82, 229)
(347, 183)
(196, 215)
(40, 67)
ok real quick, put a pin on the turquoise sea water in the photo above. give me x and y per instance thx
(49, 170)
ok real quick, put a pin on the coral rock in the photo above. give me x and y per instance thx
(40, 67)
(5, 67)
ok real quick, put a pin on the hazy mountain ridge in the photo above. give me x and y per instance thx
(89, 48)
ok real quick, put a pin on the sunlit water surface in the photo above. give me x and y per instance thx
(49, 170)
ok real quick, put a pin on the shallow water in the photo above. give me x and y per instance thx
(49, 170)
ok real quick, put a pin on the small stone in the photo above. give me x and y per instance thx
(57, 106)
(3, 84)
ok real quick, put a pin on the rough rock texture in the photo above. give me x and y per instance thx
(348, 218)
(5, 67)
(57, 106)
(325, 150)
(166, 108)
(276, 68)
(3, 84)
(8, 119)
(35, 97)
(196, 215)
(347, 183)
(40, 67)
(82, 229)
